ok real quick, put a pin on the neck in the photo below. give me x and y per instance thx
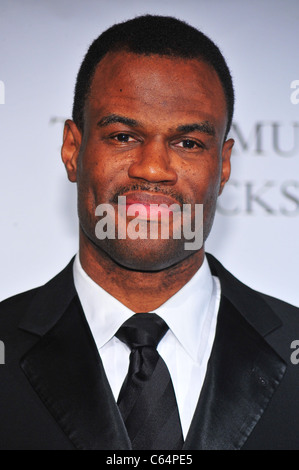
(138, 290)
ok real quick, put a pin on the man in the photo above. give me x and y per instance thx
(152, 109)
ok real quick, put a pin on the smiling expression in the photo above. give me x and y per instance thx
(154, 131)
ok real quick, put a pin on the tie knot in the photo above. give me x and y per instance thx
(142, 329)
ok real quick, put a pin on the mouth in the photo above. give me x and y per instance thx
(149, 205)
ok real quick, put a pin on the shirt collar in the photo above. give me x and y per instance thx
(104, 313)
(185, 312)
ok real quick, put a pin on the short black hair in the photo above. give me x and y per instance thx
(147, 35)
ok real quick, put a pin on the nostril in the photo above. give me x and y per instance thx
(152, 170)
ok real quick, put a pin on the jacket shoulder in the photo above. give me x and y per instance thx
(41, 305)
(286, 312)
(17, 300)
(13, 308)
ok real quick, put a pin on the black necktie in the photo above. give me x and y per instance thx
(147, 400)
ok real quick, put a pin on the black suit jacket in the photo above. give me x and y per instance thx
(54, 393)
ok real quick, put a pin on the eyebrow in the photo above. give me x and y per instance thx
(205, 127)
(113, 118)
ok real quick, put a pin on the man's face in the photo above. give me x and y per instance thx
(154, 129)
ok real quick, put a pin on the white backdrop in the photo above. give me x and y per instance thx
(42, 44)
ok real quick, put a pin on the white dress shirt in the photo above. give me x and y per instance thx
(191, 315)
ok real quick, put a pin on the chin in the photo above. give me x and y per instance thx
(146, 255)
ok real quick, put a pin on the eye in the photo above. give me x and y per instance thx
(123, 138)
(189, 144)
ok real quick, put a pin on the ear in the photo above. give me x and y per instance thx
(72, 138)
(226, 167)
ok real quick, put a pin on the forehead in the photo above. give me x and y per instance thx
(157, 86)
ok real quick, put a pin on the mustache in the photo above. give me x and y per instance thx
(149, 188)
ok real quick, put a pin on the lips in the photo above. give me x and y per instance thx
(147, 198)
(153, 204)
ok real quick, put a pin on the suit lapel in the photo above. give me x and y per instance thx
(66, 371)
(243, 371)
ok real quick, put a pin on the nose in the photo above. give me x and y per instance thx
(153, 164)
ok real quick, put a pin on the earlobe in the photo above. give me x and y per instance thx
(70, 149)
(226, 166)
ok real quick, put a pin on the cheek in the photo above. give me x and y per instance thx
(204, 181)
(94, 173)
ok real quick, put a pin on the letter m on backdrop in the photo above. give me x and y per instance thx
(2, 92)
(2, 353)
